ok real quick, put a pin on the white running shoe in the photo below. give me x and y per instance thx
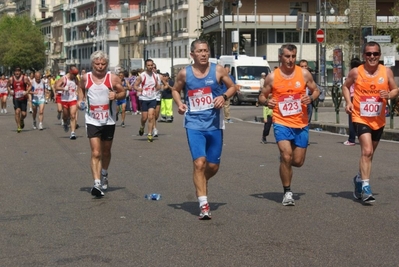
(5, 111)
(155, 132)
(40, 126)
(288, 200)
(104, 181)
(96, 191)
(2, 111)
(34, 125)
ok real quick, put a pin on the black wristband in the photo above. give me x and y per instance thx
(225, 97)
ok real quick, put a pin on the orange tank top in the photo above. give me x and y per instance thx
(288, 92)
(368, 107)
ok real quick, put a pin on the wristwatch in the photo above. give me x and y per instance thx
(225, 97)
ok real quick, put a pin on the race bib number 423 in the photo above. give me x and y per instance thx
(200, 99)
(370, 106)
(290, 104)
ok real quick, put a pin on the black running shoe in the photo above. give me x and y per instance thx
(96, 191)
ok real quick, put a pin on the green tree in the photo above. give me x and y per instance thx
(22, 43)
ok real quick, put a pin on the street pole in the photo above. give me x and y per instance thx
(238, 27)
(255, 37)
(172, 71)
(317, 43)
(223, 31)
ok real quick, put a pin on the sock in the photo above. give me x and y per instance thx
(365, 183)
(104, 172)
(97, 182)
(287, 189)
(358, 177)
(202, 200)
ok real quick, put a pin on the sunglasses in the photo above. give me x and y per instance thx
(376, 54)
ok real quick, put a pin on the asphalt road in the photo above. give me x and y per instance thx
(49, 218)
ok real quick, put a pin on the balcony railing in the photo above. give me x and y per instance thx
(128, 40)
(286, 20)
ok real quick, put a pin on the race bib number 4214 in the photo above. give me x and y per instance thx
(200, 99)
(290, 104)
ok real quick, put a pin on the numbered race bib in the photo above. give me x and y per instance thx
(370, 106)
(200, 99)
(290, 104)
(19, 94)
(99, 113)
(148, 92)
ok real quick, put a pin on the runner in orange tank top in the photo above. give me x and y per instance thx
(290, 121)
(374, 84)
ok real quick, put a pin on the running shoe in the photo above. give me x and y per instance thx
(66, 128)
(205, 212)
(96, 191)
(155, 132)
(288, 200)
(5, 111)
(357, 193)
(30, 110)
(141, 131)
(123, 125)
(2, 111)
(263, 141)
(367, 196)
(149, 138)
(58, 115)
(34, 125)
(22, 124)
(347, 143)
(73, 136)
(19, 130)
(104, 181)
(229, 121)
(40, 126)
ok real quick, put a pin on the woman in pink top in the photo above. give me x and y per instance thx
(355, 62)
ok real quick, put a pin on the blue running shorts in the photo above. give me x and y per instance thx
(120, 102)
(206, 144)
(297, 136)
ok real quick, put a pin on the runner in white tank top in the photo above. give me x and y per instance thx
(100, 89)
(38, 98)
(68, 86)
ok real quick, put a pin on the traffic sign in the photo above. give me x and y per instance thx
(320, 36)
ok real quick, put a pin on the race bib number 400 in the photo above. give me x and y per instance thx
(99, 113)
(370, 106)
(290, 104)
(200, 99)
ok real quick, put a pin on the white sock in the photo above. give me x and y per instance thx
(104, 172)
(358, 177)
(365, 183)
(97, 182)
(202, 200)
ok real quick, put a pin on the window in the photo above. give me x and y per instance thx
(296, 7)
(290, 36)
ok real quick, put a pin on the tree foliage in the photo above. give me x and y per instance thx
(22, 43)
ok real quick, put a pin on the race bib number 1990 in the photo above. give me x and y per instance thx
(290, 104)
(200, 99)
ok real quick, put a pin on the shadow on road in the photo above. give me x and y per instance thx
(349, 195)
(193, 207)
(276, 196)
(110, 189)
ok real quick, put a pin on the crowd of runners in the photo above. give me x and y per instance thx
(103, 96)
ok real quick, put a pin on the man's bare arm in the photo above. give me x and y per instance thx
(118, 90)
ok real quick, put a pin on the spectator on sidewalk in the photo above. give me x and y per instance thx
(355, 62)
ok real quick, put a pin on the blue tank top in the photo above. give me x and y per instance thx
(210, 118)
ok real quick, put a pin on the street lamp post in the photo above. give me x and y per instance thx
(126, 5)
(255, 35)
(239, 5)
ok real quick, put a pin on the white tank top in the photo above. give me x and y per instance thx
(3, 86)
(71, 94)
(100, 110)
(38, 89)
(148, 84)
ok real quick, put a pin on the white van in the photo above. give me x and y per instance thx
(247, 72)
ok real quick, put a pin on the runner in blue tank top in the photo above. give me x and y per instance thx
(203, 116)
